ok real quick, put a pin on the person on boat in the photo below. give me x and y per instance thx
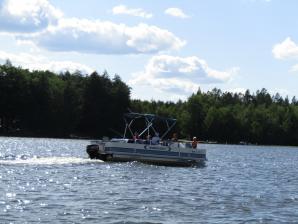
(148, 139)
(155, 139)
(135, 136)
(194, 143)
(175, 138)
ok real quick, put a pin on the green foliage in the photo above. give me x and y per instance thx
(232, 117)
(41, 103)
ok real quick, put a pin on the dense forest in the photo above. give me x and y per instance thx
(41, 103)
(44, 104)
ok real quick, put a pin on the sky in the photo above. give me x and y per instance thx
(164, 50)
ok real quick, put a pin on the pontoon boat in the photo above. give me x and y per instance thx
(158, 150)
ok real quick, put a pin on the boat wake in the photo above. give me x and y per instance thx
(46, 160)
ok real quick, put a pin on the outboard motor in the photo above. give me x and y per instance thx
(97, 151)
(93, 151)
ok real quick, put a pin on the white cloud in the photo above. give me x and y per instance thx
(39, 62)
(176, 12)
(285, 49)
(63, 66)
(294, 68)
(44, 25)
(27, 15)
(237, 90)
(104, 37)
(122, 9)
(179, 75)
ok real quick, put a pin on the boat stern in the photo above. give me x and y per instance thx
(96, 151)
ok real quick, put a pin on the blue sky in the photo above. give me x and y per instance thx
(164, 50)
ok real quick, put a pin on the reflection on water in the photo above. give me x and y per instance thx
(12, 160)
(52, 180)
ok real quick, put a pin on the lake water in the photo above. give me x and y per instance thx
(53, 181)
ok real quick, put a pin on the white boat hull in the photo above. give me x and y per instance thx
(175, 154)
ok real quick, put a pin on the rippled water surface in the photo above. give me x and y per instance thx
(53, 181)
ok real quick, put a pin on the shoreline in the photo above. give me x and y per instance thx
(89, 139)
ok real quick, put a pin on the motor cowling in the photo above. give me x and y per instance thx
(96, 151)
(93, 151)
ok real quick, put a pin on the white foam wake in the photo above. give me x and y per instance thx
(50, 161)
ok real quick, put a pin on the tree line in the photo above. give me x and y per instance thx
(45, 104)
(41, 103)
(225, 117)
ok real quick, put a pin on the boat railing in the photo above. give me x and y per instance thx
(95, 142)
(170, 143)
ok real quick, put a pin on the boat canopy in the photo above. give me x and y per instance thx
(148, 116)
(150, 120)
